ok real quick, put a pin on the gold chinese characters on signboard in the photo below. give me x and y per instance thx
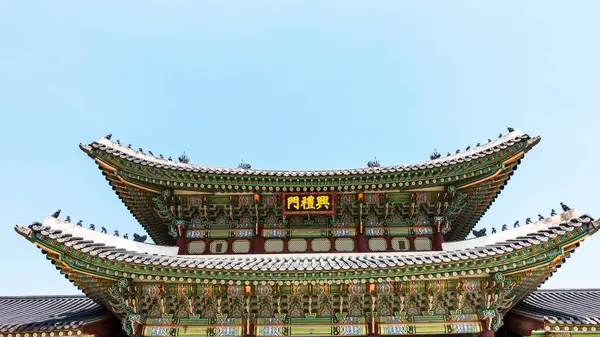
(308, 203)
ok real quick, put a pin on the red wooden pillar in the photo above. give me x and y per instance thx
(182, 245)
(361, 243)
(438, 239)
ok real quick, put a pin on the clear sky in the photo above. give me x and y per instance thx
(291, 85)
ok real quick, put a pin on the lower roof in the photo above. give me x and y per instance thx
(48, 313)
(52, 313)
(562, 306)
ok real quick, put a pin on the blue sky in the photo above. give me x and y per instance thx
(291, 85)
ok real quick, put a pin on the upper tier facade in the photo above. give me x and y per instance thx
(209, 210)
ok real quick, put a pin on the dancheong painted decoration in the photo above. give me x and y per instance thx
(376, 251)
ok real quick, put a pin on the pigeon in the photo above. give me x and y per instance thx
(56, 214)
(68, 219)
(80, 223)
(565, 207)
(170, 159)
(447, 155)
(510, 129)
(493, 230)
(129, 146)
(553, 212)
(457, 151)
(500, 136)
(141, 150)
(540, 217)
(108, 136)
(468, 148)
(478, 144)
(150, 152)
(527, 221)
(126, 237)
(103, 230)
(116, 233)
(504, 227)
(161, 156)
(118, 142)
(92, 227)
(516, 224)
(479, 233)
(489, 140)
(138, 238)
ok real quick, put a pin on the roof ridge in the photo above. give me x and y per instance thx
(567, 290)
(40, 297)
(515, 135)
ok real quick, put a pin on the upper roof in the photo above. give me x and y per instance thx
(124, 152)
(48, 313)
(480, 173)
(564, 306)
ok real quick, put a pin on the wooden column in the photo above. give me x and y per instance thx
(438, 239)
(182, 245)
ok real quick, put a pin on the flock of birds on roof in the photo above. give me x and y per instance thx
(436, 155)
(182, 159)
(482, 232)
(136, 237)
(243, 165)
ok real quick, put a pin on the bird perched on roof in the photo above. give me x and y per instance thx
(116, 233)
(138, 238)
(468, 148)
(68, 219)
(435, 155)
(184, 159)
(92, 227)
(510, 129)
(493, 230)
(129, 146)
(103, 230)
(126, 237)
(553, 212)
(540, 217)
(527, 221)
(141, 150)
(564, 207)
(118, 142)
(56, 214)
(80, 223)
(500, 135)
(447, 155)
(150, 152)
(108, 136)
(478, 144)
(504, 227)
(457, 151)
(161, 156)
(170, 159)
(479, 233)
(516, 224)
(489, 140)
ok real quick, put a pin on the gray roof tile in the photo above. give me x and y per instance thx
(574, 306)
(20, 314)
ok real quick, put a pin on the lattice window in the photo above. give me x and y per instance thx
(400, 244)
(240, 246)
(196, 247)
(321, 245)
(344, 245)
(377, 244)
(274, 246)
(297, 245)
(218, 246)
(423, 244)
